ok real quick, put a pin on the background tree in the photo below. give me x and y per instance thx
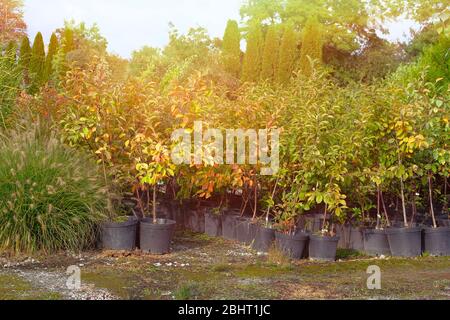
(231, 49)
(12, 25)
(52, 50)
(270, 54)
(37, 63)
(312, 46)
(251, 68)
(24, 58)
(288, 54)
(144, 60)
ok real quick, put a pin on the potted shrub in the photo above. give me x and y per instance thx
(437, 157)
(288, 238)
(154, 166)
(376, 242)
(437, 238)
(264, 231)
(323, 245)
(404, 241)
(120, 232)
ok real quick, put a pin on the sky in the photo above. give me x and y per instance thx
(131, 24)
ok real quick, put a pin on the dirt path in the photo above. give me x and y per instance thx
(204, 268)
(31, 279)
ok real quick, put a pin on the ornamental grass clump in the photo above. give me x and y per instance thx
(51, 197)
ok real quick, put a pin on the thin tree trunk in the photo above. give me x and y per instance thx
(255, 209)
(378, 208)
(325, 214)
(154, 204)
(414, 207)
(430, 189)
(402, 187)
(388, 222)
(273, 195)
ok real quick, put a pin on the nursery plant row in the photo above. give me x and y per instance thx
(262, 235)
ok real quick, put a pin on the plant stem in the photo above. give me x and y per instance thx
(325, 217)
(273, 196)
(255, 209)
(154, 204)
(402, 187)
(430, 189)
(378, 207)
(388, 222)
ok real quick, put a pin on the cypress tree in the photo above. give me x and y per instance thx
(37, 63)
(25, 54)
(251, 68)
(24, 59)
(270, 54)
(288, 54)
(60, 61)
(312, 46)
(231, 49)
(52, 50)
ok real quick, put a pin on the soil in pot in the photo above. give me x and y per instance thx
(156, 238)
(437, 241)
(229, 225)
(213, 225)
(356, 239)
(264, 239)
(292, 245)
(405, 242)
(119, 236)
(322, 248)
(376, 242)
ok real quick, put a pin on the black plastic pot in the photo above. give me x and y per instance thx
(444, 222)
(229, 224)
(253, 229)
(195, 221)
(292, 245)
(156, 238)
(177, 210)
(437, 241)
(245, 230)
(323, 248)
(264, 239)
(376, 242)
(119, 236)
(213, 225)
(313, 223)
(356, 239)
(343, 232)
(405, 242)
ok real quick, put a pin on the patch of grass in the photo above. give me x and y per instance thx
(187, 291)
(277, 257)
(16, 288)
(114, 281)
(220, 268)
(263, 271)
(346, 254)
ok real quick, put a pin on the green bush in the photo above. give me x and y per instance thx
(51, 197)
